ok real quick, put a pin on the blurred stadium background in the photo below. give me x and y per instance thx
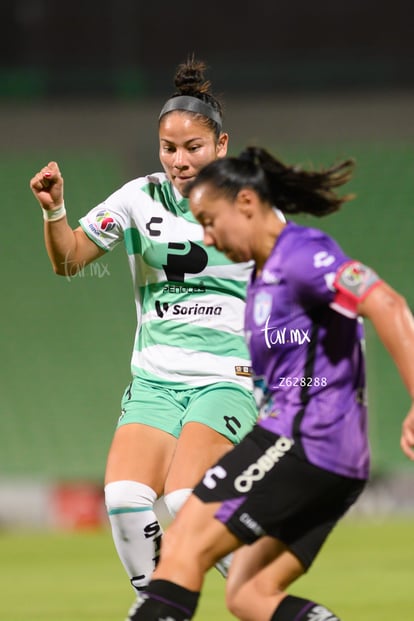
(82, 83)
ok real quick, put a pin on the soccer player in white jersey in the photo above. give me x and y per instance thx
(190, 399)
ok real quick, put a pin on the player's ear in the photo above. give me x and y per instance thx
(245, 201)
(222, 144)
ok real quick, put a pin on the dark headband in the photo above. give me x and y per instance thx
(191, 104)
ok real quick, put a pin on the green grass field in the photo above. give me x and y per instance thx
(364, 573)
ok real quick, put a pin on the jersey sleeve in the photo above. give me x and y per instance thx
(321, 273)
(312, 267)
(105, 224)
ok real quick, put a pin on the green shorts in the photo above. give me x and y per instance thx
(225, 407)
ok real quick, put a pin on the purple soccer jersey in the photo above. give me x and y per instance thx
(307, 352)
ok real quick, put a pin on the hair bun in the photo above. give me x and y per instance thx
(189, 79)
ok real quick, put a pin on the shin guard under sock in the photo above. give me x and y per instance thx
(135, 529)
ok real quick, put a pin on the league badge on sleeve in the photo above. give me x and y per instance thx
(105, 221)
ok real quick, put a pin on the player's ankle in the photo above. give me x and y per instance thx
(299, 609)
(164, 599)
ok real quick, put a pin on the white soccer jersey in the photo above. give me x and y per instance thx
(189, 298)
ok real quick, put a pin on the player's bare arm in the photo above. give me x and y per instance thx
(69, 250)
(394, 323)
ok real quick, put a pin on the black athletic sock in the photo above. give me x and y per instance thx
(298, 609)
(166, 600)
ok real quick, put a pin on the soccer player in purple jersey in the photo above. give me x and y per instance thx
(283, 489)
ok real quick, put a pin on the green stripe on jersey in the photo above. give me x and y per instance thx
(163, 193)
(197, 338)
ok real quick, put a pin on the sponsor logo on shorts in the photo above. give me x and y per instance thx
(232, 424)
(320, 613)
(123, 412)
(256, 471)
(217, 472)
(251, 524)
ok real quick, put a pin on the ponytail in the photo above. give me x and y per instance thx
(291, 189)
(295, 190)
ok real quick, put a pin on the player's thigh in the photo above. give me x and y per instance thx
(146, 435)
(198, 448)
(140, 453)
(216, 418)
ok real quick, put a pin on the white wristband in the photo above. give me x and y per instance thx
(52, 215)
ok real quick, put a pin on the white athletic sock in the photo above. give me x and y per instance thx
(223, 565)
(174, 501)
(135, 528)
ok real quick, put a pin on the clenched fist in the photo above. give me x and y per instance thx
(47, 186)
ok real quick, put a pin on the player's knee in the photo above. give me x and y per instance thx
(242, 609)
(128, 494)
(241, 601)
(234, 603)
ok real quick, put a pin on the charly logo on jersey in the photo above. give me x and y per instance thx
(323, 259)
(270, 278)
(262, 307)
(152, 226)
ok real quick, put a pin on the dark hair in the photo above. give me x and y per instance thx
(190, 81)
(290, 188)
